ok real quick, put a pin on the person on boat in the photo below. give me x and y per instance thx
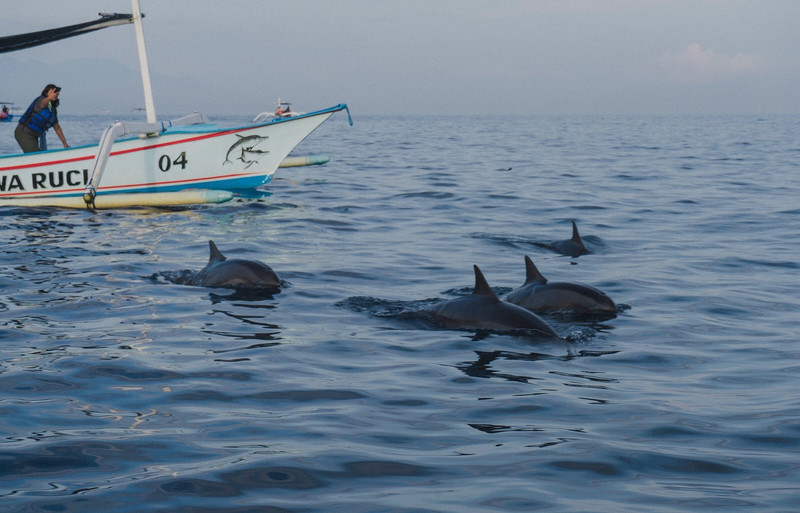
(4, 113)
(40, 116)
(279, 111)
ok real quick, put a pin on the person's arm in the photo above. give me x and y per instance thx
(60, 134)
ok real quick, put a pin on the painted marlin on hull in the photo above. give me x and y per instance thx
(235, 273)
(245, 149)
(483, 310)
(540, 296)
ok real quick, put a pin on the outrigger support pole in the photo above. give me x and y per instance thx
(110, 135)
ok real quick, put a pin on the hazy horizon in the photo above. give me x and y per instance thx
(437, 57)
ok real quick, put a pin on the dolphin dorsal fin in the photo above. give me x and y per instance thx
(482, 286)
(532, 274)
(215, 255)
(576, 237)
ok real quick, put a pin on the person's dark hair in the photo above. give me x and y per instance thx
(48, 87)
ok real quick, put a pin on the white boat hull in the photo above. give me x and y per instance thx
(195, 156)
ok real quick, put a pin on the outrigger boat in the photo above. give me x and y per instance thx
(6, 112)
(283, 110)
(186, 160)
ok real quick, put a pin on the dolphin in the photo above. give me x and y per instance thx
(540, 296)
(483, 310)
(234, 273)
(572, 247)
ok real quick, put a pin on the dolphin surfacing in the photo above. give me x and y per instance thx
(541, 296)
(572, 247)
(235, 273)
(483, 310)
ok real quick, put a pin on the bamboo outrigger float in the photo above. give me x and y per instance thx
(134, 161)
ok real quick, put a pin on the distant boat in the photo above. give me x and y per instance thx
(152, 157)
(282, 111)
(6, 112)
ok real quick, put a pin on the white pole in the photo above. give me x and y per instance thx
(148, 89)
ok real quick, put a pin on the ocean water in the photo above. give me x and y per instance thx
(122, 390)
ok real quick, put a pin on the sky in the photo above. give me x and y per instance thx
(418, 56)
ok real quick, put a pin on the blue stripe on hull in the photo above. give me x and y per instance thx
(233, 183)
(227, 185)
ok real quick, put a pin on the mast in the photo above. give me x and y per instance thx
(143, 64)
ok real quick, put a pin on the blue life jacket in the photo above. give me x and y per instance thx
(39, 121)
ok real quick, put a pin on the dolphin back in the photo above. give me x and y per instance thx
(574, 246)
(483, 310)
(235, 273)
(563, 297)
(477, 312)
(540, 296)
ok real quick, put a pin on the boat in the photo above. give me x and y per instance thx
(283, 110)
(150, 161)
(6, 112)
